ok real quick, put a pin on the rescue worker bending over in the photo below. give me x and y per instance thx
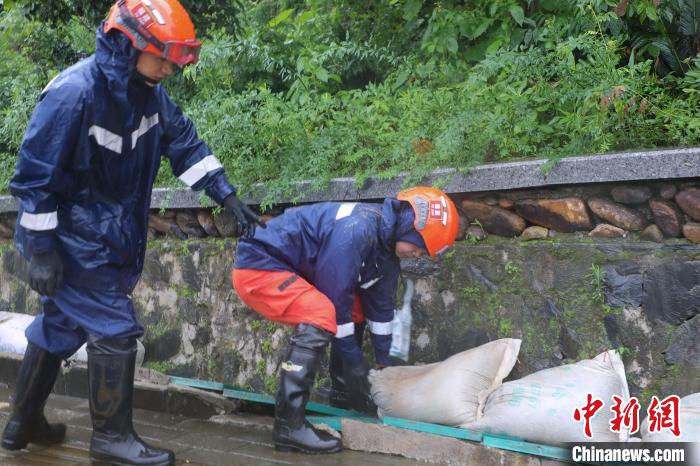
(84, 178)
(318, 267)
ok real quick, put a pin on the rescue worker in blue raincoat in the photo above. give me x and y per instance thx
(84, 178)
(326, 268)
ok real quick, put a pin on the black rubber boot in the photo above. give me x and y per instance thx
(27, 424)
(339, 396)
(111, 377)
(291, 430)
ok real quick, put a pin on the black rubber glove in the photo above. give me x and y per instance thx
(358, 388)
(394, 361)
(46, 273)
(246, 218)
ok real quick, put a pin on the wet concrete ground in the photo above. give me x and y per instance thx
(222, 440)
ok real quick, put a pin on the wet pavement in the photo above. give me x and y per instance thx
(237, 439)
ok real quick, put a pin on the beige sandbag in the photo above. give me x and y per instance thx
(451, 392)
(539, 408)
(12, 339)
(689, 423)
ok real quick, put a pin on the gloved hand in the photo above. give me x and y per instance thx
(358, 388)
(246, 218)
(394, 361)
(46, 273)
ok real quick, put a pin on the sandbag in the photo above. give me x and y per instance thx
(451, 392)
(689, 423)
(12, 326)
(12, 339)
(539, 407)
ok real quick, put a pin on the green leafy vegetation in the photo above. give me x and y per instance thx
(291, 90)
(597, 283)
(471, 293)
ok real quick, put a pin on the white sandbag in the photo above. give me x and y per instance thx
(12, 339)
(451, 392)
(539, 408)
(689, 423)
(12, 326)
(82, 356)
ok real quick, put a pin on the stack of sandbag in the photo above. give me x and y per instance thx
(451, 392)
(539, 407)
(689, 423)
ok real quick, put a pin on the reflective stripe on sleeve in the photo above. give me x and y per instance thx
(199, 170)
(39, 222)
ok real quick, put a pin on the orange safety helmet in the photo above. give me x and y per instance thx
(162, 27)
(436, 220)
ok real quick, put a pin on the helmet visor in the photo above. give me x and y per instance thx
(182, 53)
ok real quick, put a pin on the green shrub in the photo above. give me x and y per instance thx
(315, 89)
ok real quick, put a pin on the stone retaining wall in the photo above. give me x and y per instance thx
(568, 297)
(654, 211)
(572, 270)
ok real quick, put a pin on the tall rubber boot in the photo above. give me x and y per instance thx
(37, 374)
(291, 429)
(339, 396)
(111, 378)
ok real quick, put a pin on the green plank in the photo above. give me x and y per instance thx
(512, 444)
(232, 392)
(331, 411)
(436, 429)
(205, 384)
(267, 399)
(248, 396)
(336, 421)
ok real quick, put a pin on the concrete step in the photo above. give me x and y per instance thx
(205, 428)
(225, 440)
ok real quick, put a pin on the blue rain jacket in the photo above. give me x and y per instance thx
(88, 161)
(340, 248)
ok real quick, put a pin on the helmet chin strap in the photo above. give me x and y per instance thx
(145, 79)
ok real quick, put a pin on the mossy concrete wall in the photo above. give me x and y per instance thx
(567, 298)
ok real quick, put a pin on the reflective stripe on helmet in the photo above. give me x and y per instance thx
(444, 210)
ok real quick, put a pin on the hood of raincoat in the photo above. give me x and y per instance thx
(113, 130)
(397, 224)
(116, 58)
